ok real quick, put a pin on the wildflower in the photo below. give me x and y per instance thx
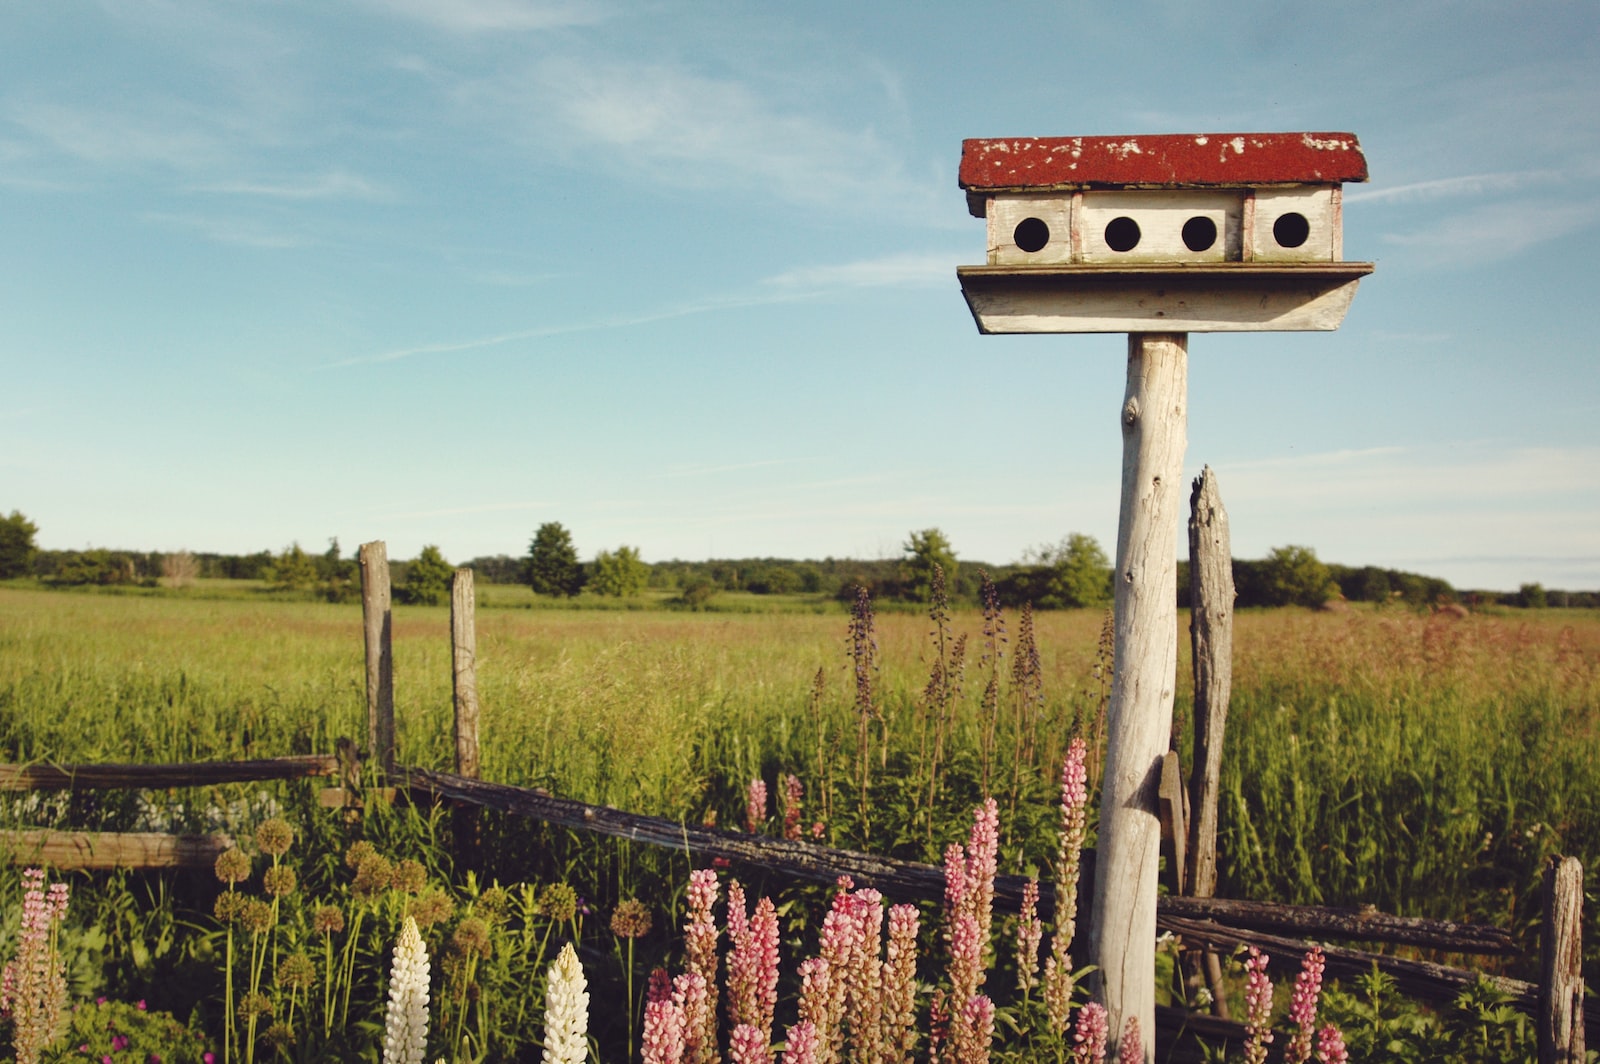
(433, 906)
(817, 829)
(755, 806)
(662, 1042)
(256, 1006)
(232, 866)
(327, 920)
(1030, 930)
(972, 1031)
(566, 1011)
(34, 983)
(1089, 1038)
(359, 851)
(256, 916)
(1131, 1049)
(228, 907)
(631, 919)
(659, 986)
(494, 904)
(700, 946)
(900, 984)
(792, 795)
(747, 1045)
(1069, 854)
(278, 1035)
(296, 972)
(752, 964)
(408, 876)
(1330, 1046)
(800, 1047)
(559, 902)
(274, 837)
(373, 874)
(472, 936)
(279, 881)
(1303, 1007)
(1258, 1008)
(406, 1022)
(693, 997)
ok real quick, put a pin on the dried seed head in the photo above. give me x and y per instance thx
(296, 972)
(279, 881)
(408, 877)
(631, 919)
(472, 936)
(327, 920)
(559, 902)
(274, 837)
(232, 866)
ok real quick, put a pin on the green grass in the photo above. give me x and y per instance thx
(1425, 765)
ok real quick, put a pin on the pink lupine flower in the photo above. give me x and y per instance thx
(955, 879)
(900, 984)
(793, 792)
(752, 963)
(1131, 1049)
(938, 1026)
(817, 829)
(864, 997)
(816, 1000)
(33, 989)
(1069, 851)
(663, 1042)
(801, 1044)
(693, 998)
(969, 907)
(1303, 1007)
(972, 1031)
(1089, 1039)
(983, 855)
(1030, 931)
(1330, 1046)
(659, 988)
(1058, 987)
(700, 947)
(755, 806)
(747, 1045)
(1258, 1008)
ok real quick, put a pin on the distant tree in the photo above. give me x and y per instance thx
(924, 550)
(16, 545)
(499, 569)
(1293, 576)
(620, 574)
(180, 568)
(553, 567)
(292, 570)
(428, 578)
(340, 577)
(1532, 596)
(1079, 574)
(695, 594)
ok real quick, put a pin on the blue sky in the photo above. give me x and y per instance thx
(681, 276)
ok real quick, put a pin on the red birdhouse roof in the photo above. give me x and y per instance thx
(1183, 160)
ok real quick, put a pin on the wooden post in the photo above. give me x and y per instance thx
(1211, 595)
(379, 624)
(1561, 964)
(463, 655)
(1122, 935)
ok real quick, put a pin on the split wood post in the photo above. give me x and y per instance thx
(378, 619)
(463, 656)
(1122, 934)
(1561, 964)
(1211, 596)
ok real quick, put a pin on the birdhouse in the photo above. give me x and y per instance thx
(1220, 232)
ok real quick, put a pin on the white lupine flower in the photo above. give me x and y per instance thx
(406, 1025)
(566, 1011)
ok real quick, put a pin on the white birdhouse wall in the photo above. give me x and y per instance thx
(1145, 226)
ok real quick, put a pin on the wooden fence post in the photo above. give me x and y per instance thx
(1561, 964)
(463, 655)
(379, 623)
(1211, 595)
(1122, 932)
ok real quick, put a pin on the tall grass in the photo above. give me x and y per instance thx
(1424, 765)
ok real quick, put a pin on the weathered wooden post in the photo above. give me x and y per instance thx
(1211, 595)
(378, 620)
(1156, 237)
(1561, 964)
(464, 671)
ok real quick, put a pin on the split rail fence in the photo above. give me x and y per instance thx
(1206, 926)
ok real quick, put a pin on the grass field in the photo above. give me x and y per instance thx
(1426, 765)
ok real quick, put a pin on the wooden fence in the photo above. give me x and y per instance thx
(1205, 925)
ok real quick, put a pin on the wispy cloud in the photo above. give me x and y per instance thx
(180, 139)
(732, 467)
(789, 287)
(241, 232)
(1462, 185)
(335, 184)
(1497, 231)
(496, 16)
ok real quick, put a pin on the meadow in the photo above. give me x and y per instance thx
(1424, 764)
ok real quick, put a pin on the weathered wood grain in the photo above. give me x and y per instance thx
(377, 623)
(45, 777)
(100, 851)
(1561, 1010)
(1122, 925)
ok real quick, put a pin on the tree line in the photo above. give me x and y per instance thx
(1074, 573)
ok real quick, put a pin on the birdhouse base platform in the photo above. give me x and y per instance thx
(1215, 297)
